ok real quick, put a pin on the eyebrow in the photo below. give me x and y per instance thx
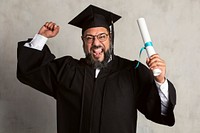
(96, 34)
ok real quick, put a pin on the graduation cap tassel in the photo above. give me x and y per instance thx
(112, 33)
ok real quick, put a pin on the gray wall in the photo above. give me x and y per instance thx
(174, 26)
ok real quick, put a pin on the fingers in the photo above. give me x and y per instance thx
(155, 62)
(49, 30)
(50, 26)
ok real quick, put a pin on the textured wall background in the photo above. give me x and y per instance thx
(175, 30)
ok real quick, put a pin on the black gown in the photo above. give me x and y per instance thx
(85, 104)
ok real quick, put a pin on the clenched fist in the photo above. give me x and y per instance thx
(49, 30)
(156, 62)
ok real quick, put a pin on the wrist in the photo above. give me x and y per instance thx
(160, 80)
(38, 42)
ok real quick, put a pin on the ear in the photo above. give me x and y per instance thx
(83, 43)
(82, 38)
(110, 36)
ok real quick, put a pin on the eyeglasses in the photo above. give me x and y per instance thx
(90, 38)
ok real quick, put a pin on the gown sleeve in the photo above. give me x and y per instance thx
(38, 69)
(148, 99)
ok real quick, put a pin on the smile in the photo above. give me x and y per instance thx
(97, 52)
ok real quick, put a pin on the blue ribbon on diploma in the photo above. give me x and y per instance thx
(148, 44)
(143, 48)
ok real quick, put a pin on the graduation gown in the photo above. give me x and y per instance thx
(107, 104)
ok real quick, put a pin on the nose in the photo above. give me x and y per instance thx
(96, 41)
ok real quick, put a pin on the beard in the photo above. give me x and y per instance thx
(96, 63)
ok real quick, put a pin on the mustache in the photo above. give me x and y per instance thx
(96, 47)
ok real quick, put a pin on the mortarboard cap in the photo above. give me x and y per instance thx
(94, 16)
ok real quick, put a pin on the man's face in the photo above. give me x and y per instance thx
(96, 42)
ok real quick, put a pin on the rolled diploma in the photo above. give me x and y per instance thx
(146, 39)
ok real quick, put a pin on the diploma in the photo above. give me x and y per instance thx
(147, 41)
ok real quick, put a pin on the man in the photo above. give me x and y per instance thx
(102, 92)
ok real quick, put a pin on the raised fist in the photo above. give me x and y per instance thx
(49, 30)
